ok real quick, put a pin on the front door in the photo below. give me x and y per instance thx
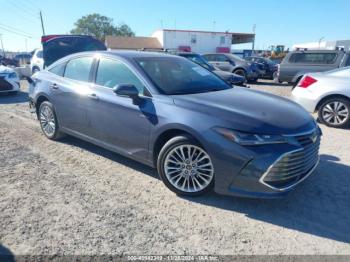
(120, 122)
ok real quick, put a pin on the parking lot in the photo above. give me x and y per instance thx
(71, 197)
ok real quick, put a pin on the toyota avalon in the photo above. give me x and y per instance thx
(172, 114)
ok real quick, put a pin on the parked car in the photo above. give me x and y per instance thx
(8, 61)
(166, 112)
(9, 80)
(234, 64)
(268, 67)
(23, 58)
(328, 94)
(37, 61)
(296, 64)
(230, 78)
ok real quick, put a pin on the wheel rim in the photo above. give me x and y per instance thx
(335, 113)
(47, 120)
(188, 168)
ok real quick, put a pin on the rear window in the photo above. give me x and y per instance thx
(313, 58)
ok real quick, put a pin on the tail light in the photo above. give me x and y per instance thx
(307, 81)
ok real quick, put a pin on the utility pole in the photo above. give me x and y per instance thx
(42, 22)
(26, 44)
(2, 45)
(253, 45)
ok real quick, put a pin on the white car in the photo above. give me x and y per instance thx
(328, 94)
(9, 80)
(37, 61)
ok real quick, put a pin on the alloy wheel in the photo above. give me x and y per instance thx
(188, 168)
(335, 113)
(47, 120)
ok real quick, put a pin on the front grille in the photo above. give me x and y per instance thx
(294, 166)
(4, 85)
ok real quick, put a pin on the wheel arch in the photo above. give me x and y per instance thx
(40, 99)
(330, 97)
(239, 68)
(168, 134)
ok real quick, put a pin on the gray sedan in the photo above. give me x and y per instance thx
(170, 113)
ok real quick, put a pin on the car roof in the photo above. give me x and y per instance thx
(127, 54)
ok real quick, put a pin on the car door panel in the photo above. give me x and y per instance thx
(120, 122)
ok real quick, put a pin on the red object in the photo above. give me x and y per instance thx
(223, 50)
(307, 81)
(185, 48)
(46, 38)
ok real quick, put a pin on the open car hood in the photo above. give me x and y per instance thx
(57, 46)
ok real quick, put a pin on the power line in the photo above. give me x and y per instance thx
(13, 28)
(29, 6)
(17, 6)
(22, 14)
(14, 32)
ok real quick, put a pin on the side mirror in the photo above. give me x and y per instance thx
(126, 90)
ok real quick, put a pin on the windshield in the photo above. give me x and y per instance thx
(199, 60)
(176, 76)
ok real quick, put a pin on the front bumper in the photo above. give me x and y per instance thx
(268, 171)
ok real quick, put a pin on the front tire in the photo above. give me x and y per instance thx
(185, 167)
(48, 121)
(335, 112)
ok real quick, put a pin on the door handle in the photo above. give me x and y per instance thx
(54, 86)
(93, 96)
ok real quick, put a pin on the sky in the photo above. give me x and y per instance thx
(284, 22)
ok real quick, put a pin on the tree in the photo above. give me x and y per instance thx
(100, 26)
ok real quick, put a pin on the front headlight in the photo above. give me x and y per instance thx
(248, 139)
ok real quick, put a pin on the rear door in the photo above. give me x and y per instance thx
(58, 46)
(222, 62)
(71, 94)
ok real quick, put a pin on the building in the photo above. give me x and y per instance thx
(201, 41)
(132, 43)
(324, 45)
(185, 40)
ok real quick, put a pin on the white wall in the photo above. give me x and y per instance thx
(205, 42)
(159, 34)
(325, 45)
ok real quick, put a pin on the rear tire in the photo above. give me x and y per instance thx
(240, 72)
(335, 112)
(185, 167)
(48, 121)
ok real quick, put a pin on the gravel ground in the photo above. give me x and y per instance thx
(71, 197)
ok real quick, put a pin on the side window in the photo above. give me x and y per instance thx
(209, 57)
(348, 61)
(111, 73)
(313, 58)
(58, 70)
(221, 58)
(222, 40)
(39, 54)
(79, 68)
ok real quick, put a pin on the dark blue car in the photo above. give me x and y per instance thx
(170, 113)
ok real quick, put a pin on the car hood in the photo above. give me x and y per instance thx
(250, 111)
(6, 70)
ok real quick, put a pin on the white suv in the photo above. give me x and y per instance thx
(37, 62)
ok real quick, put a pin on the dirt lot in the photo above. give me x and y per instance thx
(71, 197)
